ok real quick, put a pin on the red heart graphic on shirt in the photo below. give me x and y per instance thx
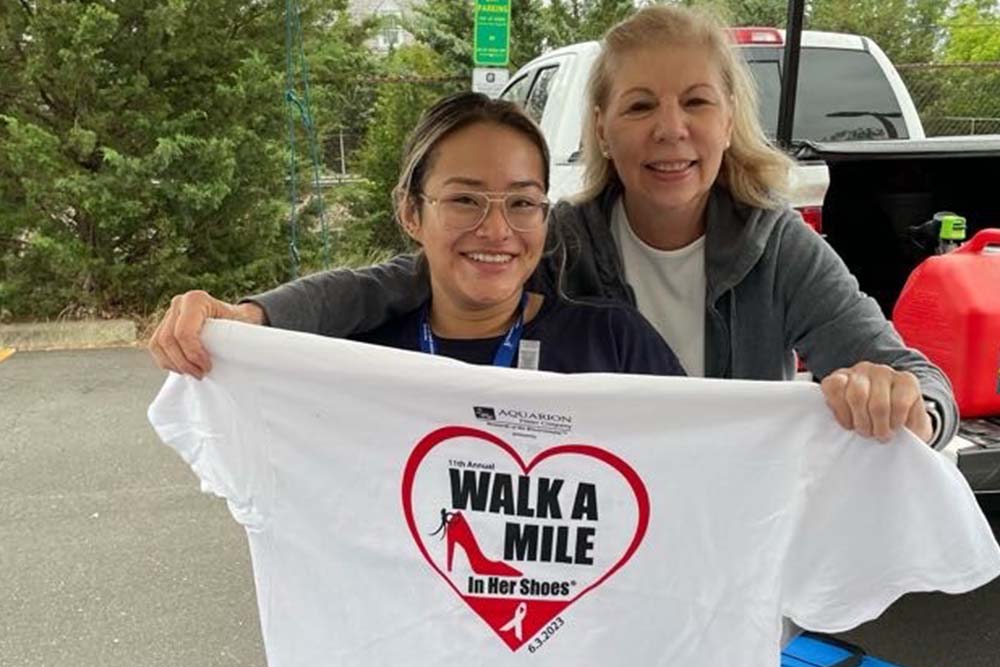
(514, 605)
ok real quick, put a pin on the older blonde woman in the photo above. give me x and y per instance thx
(682, 215)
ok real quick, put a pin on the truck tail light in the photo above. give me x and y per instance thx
(812, 216)
(770, 36)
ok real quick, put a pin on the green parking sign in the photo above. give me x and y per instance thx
(492, 33)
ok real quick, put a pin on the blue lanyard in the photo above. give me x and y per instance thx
(505, 353)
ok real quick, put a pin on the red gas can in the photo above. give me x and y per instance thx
(949, 309)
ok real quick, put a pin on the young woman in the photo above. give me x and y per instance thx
(472, 195)
(681, 215)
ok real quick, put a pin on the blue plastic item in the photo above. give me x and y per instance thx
(813, 650)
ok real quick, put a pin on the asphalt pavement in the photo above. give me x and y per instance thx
(110, 555)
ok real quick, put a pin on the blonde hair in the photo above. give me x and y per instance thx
(752, 170)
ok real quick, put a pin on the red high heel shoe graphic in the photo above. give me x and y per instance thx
(457, 531)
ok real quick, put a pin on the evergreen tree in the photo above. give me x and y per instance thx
(142, 150)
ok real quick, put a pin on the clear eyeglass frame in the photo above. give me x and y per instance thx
(466, 211)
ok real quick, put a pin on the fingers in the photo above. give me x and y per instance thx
(847, 391)
(176, 343)
(156, 348)
(834, 385)
(166, 348)
(919, 422)
(880, 401)
(906, 397)
(193, 309)
(856, 394)
(874, 400)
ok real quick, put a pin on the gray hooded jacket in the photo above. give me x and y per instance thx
(773, 287)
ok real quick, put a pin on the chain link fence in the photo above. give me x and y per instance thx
(955, 98)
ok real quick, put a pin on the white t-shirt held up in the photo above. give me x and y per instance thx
(404, 509)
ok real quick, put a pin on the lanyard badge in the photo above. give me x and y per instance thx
(504, 356)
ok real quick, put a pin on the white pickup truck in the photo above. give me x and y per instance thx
(848, 90)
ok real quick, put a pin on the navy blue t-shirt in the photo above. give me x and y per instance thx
(574, 337)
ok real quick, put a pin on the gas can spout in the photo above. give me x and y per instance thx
(952, 232)
(939, 235)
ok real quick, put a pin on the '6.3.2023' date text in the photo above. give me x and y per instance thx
(544, 635)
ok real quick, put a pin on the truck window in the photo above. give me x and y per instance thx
(517, 90)
(843, 95)
(539, 94)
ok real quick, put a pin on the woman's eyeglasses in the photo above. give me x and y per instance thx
(465, 211)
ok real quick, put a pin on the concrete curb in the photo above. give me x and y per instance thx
(67, 335)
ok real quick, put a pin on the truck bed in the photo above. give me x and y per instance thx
(879, 189)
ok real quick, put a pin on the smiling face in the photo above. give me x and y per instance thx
(487, 267)
(666, 124)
